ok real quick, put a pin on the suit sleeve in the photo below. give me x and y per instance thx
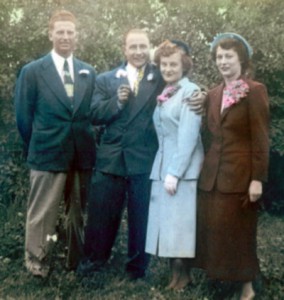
(259, 128)
(25, 98)
(188, 135)
(104, 105)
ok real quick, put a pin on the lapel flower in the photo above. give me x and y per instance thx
(84, 72)
(51, 238)
(234, 92)
(150, 76)
(167, 93)
(121, 73)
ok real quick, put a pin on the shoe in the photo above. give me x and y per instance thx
(134, 275)
(37, 268)
(87, 267)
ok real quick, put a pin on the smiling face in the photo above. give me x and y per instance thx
(228, 64)
(63, 36)
(137, 49)
(171, 67)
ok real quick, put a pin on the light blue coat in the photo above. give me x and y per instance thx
(180, 150)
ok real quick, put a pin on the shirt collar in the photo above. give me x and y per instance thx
(59, 62)
(131, 70)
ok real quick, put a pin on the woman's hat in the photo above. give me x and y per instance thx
(183, 46)
(231, 35)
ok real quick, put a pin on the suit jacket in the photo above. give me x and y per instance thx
(56, 130)
(236, 141)
(180, 150)
(129, 142)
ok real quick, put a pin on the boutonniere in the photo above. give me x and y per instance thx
(167, 93)
(121, 73)
(51, 238)
(84, 72)
(234, 92)
(150, 76)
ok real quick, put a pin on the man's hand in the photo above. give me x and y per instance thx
(196, 102)
(170, 184)
(123, 93)
(255, 190)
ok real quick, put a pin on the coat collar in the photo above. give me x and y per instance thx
(216, 98)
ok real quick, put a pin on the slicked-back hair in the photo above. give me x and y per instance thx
(61, 15)
(134, 31)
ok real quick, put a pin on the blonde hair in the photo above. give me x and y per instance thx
(134, 31)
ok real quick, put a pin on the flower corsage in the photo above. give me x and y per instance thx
(167, 93)
(234, 92)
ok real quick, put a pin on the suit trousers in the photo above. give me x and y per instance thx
(109, 193)
(46, 191)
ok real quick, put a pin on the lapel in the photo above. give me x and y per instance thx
(80, 84)
(216, 99)
(147, 87)
(54, 82)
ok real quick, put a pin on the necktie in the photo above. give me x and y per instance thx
(140, 74)
(67, 80)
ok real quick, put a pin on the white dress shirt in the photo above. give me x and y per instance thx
(132, 75)
(59, 62)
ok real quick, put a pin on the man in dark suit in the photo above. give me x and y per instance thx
(123, 102)
(52, 101)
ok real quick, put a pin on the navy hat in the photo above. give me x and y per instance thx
(183, 46)
(231, 35)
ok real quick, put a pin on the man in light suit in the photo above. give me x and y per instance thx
(52, 101)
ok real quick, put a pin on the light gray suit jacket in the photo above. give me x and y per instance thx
(180, 150)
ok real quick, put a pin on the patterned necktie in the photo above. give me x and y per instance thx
(67, 80)
(140, 73)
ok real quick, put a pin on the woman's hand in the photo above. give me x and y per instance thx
(170, 184)
(255, 190)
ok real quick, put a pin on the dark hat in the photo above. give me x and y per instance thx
(183, 46)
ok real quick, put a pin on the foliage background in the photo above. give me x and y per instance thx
(102, 25)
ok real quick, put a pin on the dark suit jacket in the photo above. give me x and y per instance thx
(236, 141)
(58, 134)
(129, 143)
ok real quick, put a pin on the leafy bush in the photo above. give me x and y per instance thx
(102, 26)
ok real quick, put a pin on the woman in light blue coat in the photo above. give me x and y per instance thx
(171, 228)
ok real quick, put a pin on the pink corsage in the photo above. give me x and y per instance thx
(167, 93)
(234, 92)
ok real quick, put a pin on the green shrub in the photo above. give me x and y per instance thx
(102, 25)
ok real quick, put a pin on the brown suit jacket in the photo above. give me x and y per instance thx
(236, 141)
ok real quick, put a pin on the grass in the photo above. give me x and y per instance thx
(111, 283)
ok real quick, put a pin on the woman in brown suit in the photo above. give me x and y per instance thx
(236, 146)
